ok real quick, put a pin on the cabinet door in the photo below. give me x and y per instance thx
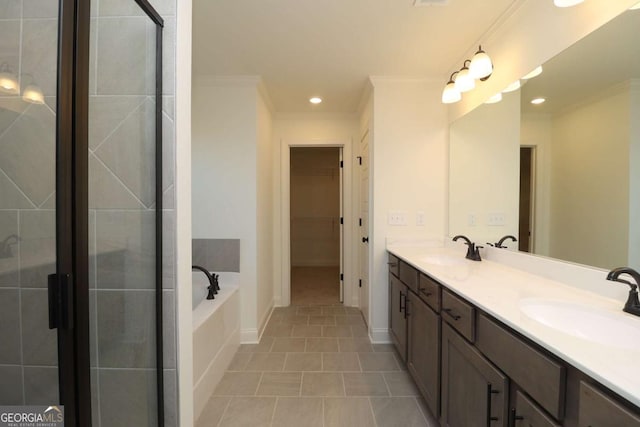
(423, 356)
(397, 318)
(474, 392)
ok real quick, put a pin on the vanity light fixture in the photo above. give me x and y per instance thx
(8, 80)
(494, 99)
(513, 86)
(481, 66)
(464, 81)
(537, 101)
(535, 73)
(315, 100)
(451, 94)
(566, 3)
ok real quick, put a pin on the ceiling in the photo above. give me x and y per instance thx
(603, 59)
(328, 48)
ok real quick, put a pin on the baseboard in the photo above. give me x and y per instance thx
(265, 318)
(277, 301)
(379, 336)
(249, 336)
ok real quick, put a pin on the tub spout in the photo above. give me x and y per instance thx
(213, 281)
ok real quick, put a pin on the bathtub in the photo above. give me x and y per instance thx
(216, 334)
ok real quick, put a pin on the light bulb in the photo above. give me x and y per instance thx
(537, 101)
(566, 3)
(481, 66)
(315, 100)
(513, 86)
(9, 83)
(450, 94)
(33, 94)
(464, 81)
(535, 73)
(494, 99)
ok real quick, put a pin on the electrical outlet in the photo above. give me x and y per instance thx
(473, 219)
(420, 219)
(495, 219)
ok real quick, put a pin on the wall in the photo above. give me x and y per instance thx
(409, 173)
(231, 184)
(264, 212)
(313, 129)
(634, 177)
(315, 207)
(580, 196)
(489, 135)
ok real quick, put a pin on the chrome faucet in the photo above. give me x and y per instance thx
(213, 287)
(632, 305)
(499, 243)
(473, 251)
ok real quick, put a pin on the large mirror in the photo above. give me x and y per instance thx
(562, 176)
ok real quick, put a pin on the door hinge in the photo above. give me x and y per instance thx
(359, 160)
(359, 283)
(341, 163)
(341, 220)
(341, 276)
(360, 222)
(60, 301)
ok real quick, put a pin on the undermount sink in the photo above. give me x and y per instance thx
(588, 323)
(442, 260)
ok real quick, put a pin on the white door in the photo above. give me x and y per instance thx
(364, 227)
(341, 225)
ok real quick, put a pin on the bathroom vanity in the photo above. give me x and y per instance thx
(492, 345)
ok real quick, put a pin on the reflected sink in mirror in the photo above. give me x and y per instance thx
(442, 260)
(581, 321)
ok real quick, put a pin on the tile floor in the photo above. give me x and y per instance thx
(315, 366)
(315, 285)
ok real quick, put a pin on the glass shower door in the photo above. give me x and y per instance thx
(125, 288)
(28, 96)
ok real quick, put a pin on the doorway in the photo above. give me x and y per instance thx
(527, 199)
(316, 222)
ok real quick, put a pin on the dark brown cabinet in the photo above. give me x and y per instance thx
(397, 315)
(527, 414)
(423, 356)
(474, 392)
(599, 410)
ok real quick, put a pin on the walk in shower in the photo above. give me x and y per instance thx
(83, 136)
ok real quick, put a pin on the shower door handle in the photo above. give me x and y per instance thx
(60, 301)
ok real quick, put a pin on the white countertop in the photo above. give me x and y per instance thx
(498, 290)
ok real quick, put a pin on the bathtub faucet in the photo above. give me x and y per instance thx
(213, 287)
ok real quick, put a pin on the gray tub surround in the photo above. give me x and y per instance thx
(501, 286)
(216, 254)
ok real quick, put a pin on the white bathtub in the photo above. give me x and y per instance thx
(216, 334)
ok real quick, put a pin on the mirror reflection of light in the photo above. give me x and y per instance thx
(513, 86)
(535, 73)
(494, 99)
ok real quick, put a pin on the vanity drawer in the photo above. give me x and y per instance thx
(539, 375)
(409, 276)
(394, 264)
(459, 314)
(599, 410)
(429, 291)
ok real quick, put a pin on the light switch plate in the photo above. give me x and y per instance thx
(397, 218)
(420, 219)
(495, 219)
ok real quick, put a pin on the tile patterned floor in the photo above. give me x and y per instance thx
(315, 366)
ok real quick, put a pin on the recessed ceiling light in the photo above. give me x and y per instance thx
(315, 100)
(566, 3)
(537, 101)
(535, 73)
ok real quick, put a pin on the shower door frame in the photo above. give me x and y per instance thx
(72, 206)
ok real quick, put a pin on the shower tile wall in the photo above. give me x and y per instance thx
(121, 221)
